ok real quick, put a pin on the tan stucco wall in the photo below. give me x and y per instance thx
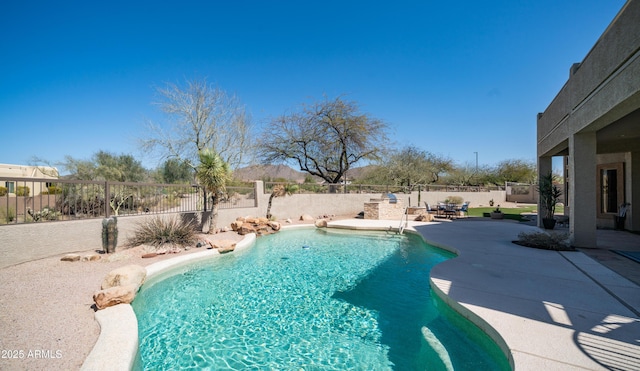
(25, 242)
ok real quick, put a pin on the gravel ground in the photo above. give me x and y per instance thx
(46, 311)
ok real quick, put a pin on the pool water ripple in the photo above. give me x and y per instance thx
(349, 301)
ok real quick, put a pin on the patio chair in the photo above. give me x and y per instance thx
(464, 209)
(429, 208)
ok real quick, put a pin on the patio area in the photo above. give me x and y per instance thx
(553, 310)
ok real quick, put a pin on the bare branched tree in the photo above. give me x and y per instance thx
(324, 139)
(200, 116)
(410, 166)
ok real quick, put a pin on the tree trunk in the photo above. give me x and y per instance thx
(269, 205)
(213, 219)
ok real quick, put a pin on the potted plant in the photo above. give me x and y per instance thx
(497, 214)
(549, 196)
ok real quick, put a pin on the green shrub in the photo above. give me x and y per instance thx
(158, 231)
(23, 191)
(7, 215)
(52, 190)
(3, 191)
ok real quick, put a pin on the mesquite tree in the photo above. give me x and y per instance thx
(199, 116)
(324, 139)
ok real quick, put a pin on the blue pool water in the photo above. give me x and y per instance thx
(309, 299)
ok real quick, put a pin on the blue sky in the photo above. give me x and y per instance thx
(452, 78)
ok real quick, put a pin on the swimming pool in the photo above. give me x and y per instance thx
(309, 299)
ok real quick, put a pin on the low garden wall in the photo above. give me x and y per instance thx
(25, 242)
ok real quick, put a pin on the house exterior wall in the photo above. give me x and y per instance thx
(24, 171)
(594, 120)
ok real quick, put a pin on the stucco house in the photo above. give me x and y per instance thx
(594, 124)
(23, 171)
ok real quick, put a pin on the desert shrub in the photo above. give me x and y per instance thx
(454, 200)
(545, 241)
(46, 213)
(3, 191)
(7, 215)
(158, 230)
(23, 191)
(52, 190)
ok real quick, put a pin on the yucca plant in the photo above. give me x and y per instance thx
(157, 231)
(213, 173)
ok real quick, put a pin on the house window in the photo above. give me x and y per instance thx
(11, 187)
(610, 188)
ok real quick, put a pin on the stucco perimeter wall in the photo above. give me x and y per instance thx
(26, 242)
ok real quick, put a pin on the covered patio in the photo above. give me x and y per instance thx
(593, 124)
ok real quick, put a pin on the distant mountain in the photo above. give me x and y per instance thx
(272, 172)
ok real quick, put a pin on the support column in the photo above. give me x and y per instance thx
(545, 166)
(633, 192)
(582, 189)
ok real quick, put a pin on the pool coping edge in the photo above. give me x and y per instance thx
(117, 345)
(118, 339)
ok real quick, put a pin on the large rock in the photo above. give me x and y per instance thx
(124, 276)
(424, 218)
(115, 295)
(321, 223)
(91, 257)
(246, 229)
(275, 226)
(70, 258)
(307, 218)
(235, 225)
(222, 244)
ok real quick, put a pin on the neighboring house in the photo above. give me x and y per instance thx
(594, 123)
(22, 171)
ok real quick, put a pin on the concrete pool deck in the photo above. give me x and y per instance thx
(554, 310)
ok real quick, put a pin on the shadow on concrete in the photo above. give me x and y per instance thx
(538, 299)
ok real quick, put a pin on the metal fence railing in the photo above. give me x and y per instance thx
(26, 200)
(376, 189)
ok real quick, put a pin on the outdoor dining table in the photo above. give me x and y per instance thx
(449, 210)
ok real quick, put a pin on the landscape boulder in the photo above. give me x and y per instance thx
(275, 226)
(115, 295)
(224, 246)
(124, 276)
(246, 228)
(321, 223)
(90, 258)
(307, 218)
(424, 218)
(70, 258)
(259, 226)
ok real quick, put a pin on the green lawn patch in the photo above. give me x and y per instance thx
(509, 213)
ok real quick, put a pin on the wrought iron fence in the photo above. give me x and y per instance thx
(376, 189)
(26, 200)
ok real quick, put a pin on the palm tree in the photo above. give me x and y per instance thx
(280, 190)
(213, 174)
